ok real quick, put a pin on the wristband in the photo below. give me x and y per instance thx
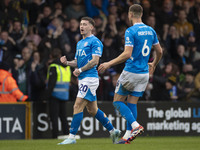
(80, 70)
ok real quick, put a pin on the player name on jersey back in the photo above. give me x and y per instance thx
(141, 33)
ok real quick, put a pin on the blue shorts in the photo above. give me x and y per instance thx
(87, 88)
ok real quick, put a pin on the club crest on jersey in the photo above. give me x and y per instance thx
(86, 43)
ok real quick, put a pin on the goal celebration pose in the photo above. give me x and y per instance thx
(88, 52)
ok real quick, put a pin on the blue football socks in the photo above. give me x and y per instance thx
(103, 119)
(133, 108)
(124, 111)
(76, 122)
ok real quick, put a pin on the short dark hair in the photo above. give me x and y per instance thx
(90, 20)
(137, 10)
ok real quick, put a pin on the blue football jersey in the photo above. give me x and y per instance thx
(85, 49)
(141, 37)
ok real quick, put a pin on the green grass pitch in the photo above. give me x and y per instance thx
(141, 143)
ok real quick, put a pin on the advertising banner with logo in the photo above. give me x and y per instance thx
(158, 119)
(170, 119)
(14, 121)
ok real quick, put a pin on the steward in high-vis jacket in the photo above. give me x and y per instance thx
(9, 91)
(59, 77)
(63, 78)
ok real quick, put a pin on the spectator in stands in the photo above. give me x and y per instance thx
(181, 59)
(187, 87)
(17, 63)
(172, 39)
(191, 50)
(7, 51)
(166, 15)
(75, 10)
(159, 80)
(9, 91)
(43, 20)
(45, 46)
(112, 9)
(58, 11)
(33, 35)
(111, 27)
(186, 6)
(147, 10)
(170, 92)
(74, 35)
(182, 25)
(56, 38)
(24, 72)
(66, 24)
(109, 50)
(100, 25)
(178, 4)
(8, 13)
(32, 46)
(194, 94)
(18, 34)
(34, 8)
(151, 21)
(124, 19)
(194, 18)
(60, 38)
(37, 78)
(186, 68)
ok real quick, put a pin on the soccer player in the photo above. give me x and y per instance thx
(132, 82)
(88, 52)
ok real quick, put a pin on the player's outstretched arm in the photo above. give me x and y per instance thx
(120, 59)
(72, 63)
(157, 58)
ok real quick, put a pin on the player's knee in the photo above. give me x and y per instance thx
(77, 108)
(92, 111)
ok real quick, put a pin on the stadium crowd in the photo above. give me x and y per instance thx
(31, 29)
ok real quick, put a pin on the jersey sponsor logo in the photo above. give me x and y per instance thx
(81, 52)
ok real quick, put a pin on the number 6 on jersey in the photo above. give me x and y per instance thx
(145, 47)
